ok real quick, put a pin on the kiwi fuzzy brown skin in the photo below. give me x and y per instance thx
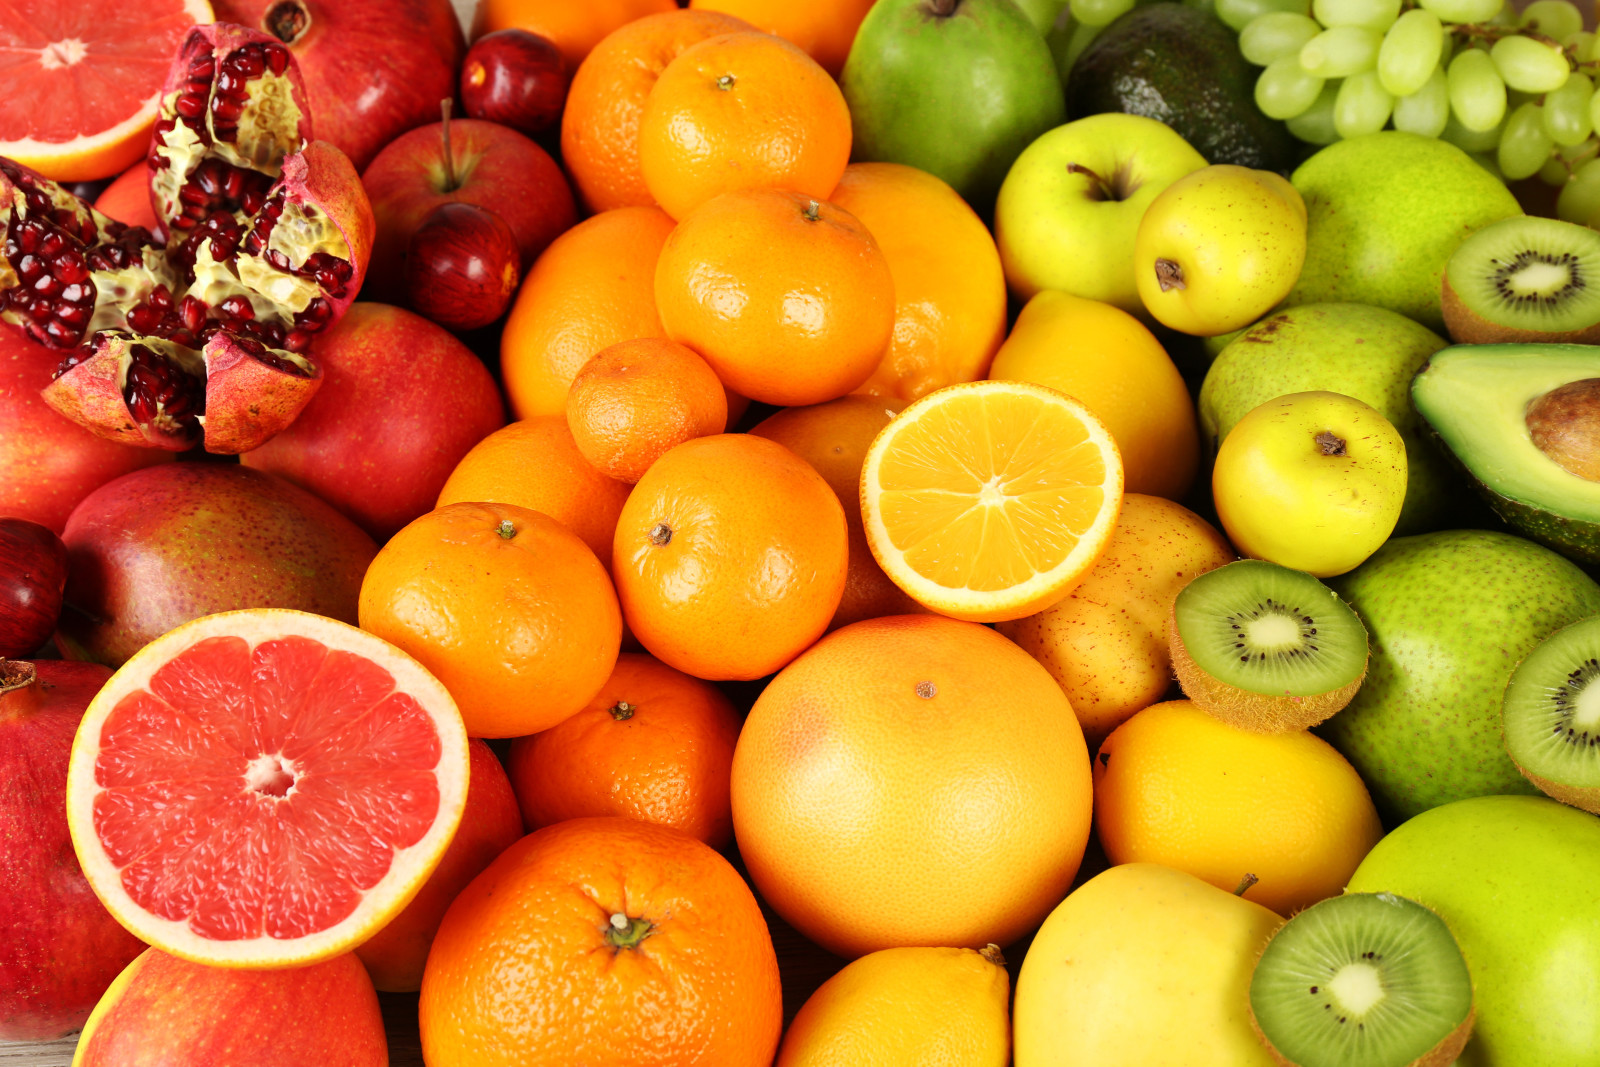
(1467, 327)
(1585, 798)
(1445, 1053)
(1260, 713)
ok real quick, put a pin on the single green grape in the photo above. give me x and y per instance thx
(1340, 52)
(1362, 106)
(1275, 35)
(1477, 92)
(1579, 200)
(1238, 13)
(1463, 10)
(1506, 17)
(1099, 12)
(1470, 141)
(1315, 125)
(1410, 52)
(1285, 90)
(1524, 144)
(1554, 172)
(1556, 19)
(1374, 15)
(1528, 65)
(1567, 113)
(1426, 111)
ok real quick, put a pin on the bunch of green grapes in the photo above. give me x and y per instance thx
(1517, 92)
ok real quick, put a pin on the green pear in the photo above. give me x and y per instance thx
(1517, 880)
(1384, 213)
(957, 88)
(1142, 964)
(1449, 616)
(1360, 351)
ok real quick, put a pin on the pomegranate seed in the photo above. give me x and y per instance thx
(297, 341)
(227, 109)
(48, 285)
(277, 58)
(237, 307)
(193, 311)
(190, 105)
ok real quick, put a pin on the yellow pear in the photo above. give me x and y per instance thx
(1142, 965)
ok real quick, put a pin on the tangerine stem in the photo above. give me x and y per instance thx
(626, 932)
(622, 710)
(506, 529)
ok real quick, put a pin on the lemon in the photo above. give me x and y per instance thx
(906, 1007)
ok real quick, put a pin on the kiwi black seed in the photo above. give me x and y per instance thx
(1363, 980)
(1552, 715)
(1524, 279)
(1265, 647)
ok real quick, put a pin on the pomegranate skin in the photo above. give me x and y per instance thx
(161, 546)
(402, 401)
(50, 463)
(373, 68)
(59, 947)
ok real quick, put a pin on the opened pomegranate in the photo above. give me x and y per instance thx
(59, 947)
(199, 339)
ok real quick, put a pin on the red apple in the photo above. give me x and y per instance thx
(373, 68)
(127, 199)
(402, 401)
(33, 574)
(494, 167)
(48, 463)
(462, 267)
(163, 1010)
(515, 78)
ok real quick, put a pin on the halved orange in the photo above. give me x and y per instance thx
(989, 501)
(83, 80)
(264, 788)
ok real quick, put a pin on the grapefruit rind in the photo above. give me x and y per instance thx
(410, 867)
(1044, 587)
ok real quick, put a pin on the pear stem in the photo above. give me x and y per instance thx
(1244, 884)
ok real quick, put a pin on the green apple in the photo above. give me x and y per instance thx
(1450, 615)
(1312, 481)
(1069, 209)
(957, 88)
(1219, 248)
(1517, 880)
(1142, 964)
(1385, 211)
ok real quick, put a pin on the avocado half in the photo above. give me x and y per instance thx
(1475, 399)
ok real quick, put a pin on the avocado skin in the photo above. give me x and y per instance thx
(1181, 66)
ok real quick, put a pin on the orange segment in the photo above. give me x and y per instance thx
(988, 501)
(264, 788)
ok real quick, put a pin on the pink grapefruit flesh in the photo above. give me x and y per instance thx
(265, 788)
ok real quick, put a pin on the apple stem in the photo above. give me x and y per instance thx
(1106, 192)
(1329, 443)
(450, 183)
(942, 9)
(1244, 884)
(15, 674)
(1169, 275)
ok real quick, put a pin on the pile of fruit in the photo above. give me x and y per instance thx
(1020, 537)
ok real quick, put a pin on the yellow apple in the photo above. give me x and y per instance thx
(1312, 481)
(1218, 248)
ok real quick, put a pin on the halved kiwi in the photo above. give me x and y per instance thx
(1266, 648)
(1524, 279)
(1363, 980)
(1552, 715)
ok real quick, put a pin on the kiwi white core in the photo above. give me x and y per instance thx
(1586, 708)
(1358, 987)
(1538, 277)
(1275, 632)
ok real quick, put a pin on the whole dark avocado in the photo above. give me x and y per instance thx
(1181, 66)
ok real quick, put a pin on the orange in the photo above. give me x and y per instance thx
(988, 501)
(490, 824)
(823, 29)
(744, 110)
(1178, 787)
(635, 400)
(833, 438)
(1106, 359)
(654, 745)
(506, 606)
(911, 781)
(788, 298)
(593, 287)
(574, 26)
(264, 788)
(730, 557)
(534, 464)
(949, 291)
(603, 941)
(600, 124)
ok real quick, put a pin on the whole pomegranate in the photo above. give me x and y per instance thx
(48, 464)
(59, 947)
(168, 544)
(373, 68)
(200, 338)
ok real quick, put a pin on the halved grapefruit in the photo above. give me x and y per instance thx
(83, 79)
(264, 788)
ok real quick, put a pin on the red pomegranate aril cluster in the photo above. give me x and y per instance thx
(191, 102)
(156, 388)
(238, 69)
(56, 293)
